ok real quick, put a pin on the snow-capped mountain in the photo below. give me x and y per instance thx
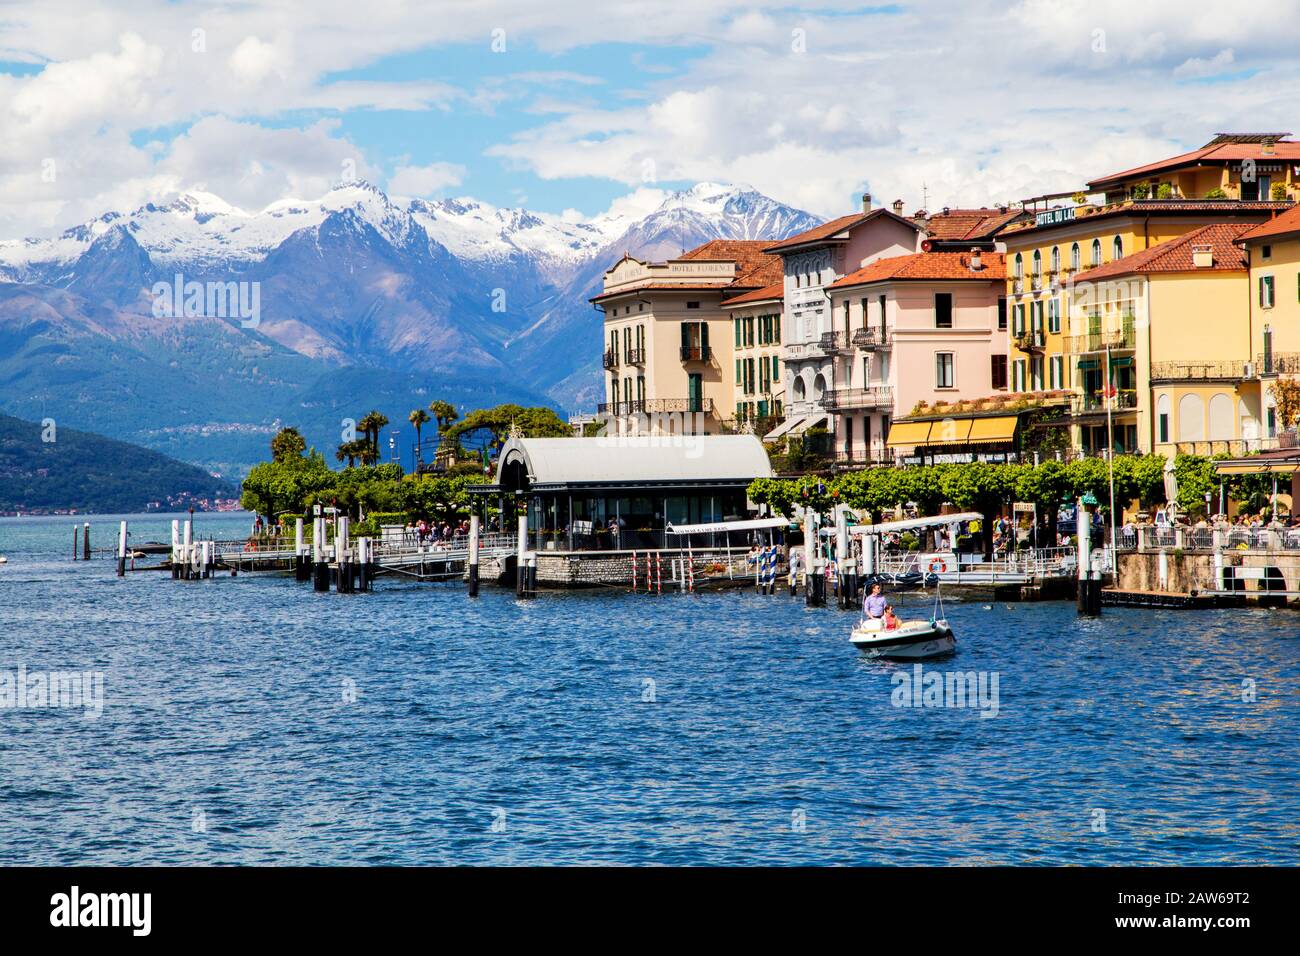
(481, 302)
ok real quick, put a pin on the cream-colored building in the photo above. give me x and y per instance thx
(758, 392)
(668, 353)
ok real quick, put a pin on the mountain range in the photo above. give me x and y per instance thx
(352, 301)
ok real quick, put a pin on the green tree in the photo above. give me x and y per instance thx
(418, 417)
(532, 422)
(287, 443)
(444, 413)
(981, 487)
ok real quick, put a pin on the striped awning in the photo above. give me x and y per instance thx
(953, 431)
(999, 429)
(908, 433)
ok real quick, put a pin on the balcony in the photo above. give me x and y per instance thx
(1277, 363)
(1017, 285)
(697, 353)
(611, 358)
(803, 350)
(1031, 341)
(844, 399)
(1225, 370)
(1117, 340)
(834, 343)
(1094, 403)
(636, 356)
(870, 339)
(657, 406)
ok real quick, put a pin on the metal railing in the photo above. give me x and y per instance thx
(834, 343)
(636, 356)
(870, 338)
(878, 396)
(1225, 446)
(641, 406)
(1032, 341)
(1277, 363)
(1095, 402)
(1216, 370)
(697, 353)
(611, 358)
(1099, 341)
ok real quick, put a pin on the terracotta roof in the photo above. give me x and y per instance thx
(774, 291)
(927, 265)
(754, 266)
(1236, 208)
(1214, 153)
(1283, 224)
(1175, 255)
(829, 229)
(970, 224)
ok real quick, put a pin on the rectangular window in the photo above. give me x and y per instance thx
(1002, 314)
(640, 388)
(1054, 315)
(864, 313)
(1056, 372)
(749, 331)
(943, 370)
(776, 328)
(1164, 427)
(1018, 375)
(1266, 292)
(1036, 373)
(999, 371)
(1018, 315)
(943, 310)
(692, 305)
(736, 323)
(1036, 315)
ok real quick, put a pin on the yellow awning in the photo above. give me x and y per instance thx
(1264, 466)
(908, 433)
(1000, 428)
(949, 431)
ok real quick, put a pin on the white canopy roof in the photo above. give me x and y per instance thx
(632, 459)
(754, 525)
(913, 523)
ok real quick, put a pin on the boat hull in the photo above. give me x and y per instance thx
(932, 640)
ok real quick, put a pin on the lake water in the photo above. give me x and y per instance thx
(250, 720)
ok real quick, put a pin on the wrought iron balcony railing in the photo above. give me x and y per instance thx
(1095, 402)
(1117, 340)
(834, 343)
(871, 338)
(1033, 341)
(657, 405)
(636, 356)
(697, 353)
(841, 399)
(1209, 370)
(611, 358)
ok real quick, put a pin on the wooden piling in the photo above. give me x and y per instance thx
(121, 550)
(472, 576)
(85, 544)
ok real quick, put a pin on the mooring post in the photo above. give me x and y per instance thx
(814, 581)
(176, 544)
(76, 539)
(85, 544)
(363, 561)
(521, 559)
(299, 551)
(1089, 587)
(473, 556)
(187, 545)
(320, 568)
(845, 578)
(342, 560)
(121, 550)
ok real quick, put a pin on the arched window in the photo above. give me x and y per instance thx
(819, 387)
(1038, 263)
(1191, 418)
(1221, 423)
(799, 389)
(1096, 252)
(1056, 259)
(1074, 257)
(1020, 266)
(1117, 248)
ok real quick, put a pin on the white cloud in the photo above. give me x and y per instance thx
(424, 181)
(1197, 67)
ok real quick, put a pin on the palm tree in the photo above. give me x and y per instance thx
(287, 443)
(351, 450)
(418, 417)
(444, 413)
(370, 425)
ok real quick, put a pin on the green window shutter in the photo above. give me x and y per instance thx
(737, 324)
(686, 335)
(704, 335)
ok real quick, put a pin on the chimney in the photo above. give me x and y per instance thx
(866, 202)
(898, 207)
(1203, 257)
(975, 263)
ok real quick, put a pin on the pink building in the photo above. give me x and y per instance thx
(925, 327)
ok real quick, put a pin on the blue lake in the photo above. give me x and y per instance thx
(250, 720)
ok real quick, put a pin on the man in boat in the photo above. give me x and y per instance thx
(874, 605)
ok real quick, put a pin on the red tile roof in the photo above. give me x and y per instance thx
(651, 284)
(1214, 153)
(1175, 255)
(754, 266)
(774, 291)
(1235, 208)
(1281, 225)
(970, 224)
(928, 265)
(828, 229)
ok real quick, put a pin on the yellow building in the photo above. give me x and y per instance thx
(1162, 339)
(668, 353)
(758, 392)
(1273, 256)
(1242, 166)
(1044, 259)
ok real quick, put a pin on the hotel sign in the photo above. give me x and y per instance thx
(1054, 217)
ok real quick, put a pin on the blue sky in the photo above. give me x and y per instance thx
(110, 105)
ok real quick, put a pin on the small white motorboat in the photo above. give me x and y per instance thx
(905, 640)
(909, 640)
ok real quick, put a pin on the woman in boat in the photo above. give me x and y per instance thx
(875, 605)
(891, 621)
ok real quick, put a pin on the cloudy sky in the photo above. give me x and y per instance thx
(569, 105)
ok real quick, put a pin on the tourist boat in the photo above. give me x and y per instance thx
(910, 640)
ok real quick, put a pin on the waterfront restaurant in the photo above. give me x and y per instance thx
(620, 492)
